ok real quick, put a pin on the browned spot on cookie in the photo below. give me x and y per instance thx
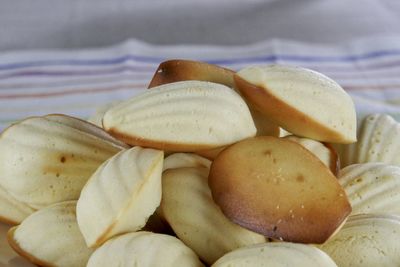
(300, 178)
(62, 159)
(267, 152)
(274, 160)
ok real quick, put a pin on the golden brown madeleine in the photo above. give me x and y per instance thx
(51, 237)
(45, 160)
(302, 101)
(366, 240)
(189, 209)
(144, 249)
(278, 188)
(183, 116)
(177, 70)
(121, 195)
(276, 254)
(325, 152)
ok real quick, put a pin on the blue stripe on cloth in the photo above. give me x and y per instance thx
(146, 59)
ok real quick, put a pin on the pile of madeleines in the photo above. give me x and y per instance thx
(209, 167)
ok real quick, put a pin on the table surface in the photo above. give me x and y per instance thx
(27, 24)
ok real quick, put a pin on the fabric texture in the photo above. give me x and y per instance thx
(77, 82)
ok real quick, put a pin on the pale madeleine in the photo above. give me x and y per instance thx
(379, 141)
(45, 160)
(51, 237)
(144, 249)
(372, 187)
(276, 254)
(12, 211)
(187, 70)
(121, 195)
(183, 160)
(182, 116)
(188, 207)
(302, 101)
(366, 240)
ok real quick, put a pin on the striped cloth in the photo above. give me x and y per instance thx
(78, 82)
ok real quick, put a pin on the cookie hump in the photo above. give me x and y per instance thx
(188, 207)
(45, 160)
(277, 254)
(278, 188)
(183, 116)
(51, 237)
(366, 240)
(144, 249)
(121, 195)
(372, 187)
(302, 101)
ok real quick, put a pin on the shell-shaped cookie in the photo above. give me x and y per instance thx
(121, 195)
(187, 70)
(277, 188)
(366, 240)
(324, 152)
(185, 160)
(144, 249)
(372, 187)
(182, 116)
(51, 237)
(302, 101)
(12, 211)
(190, 210)
(44, 160)
(379, 140)
(277, 254)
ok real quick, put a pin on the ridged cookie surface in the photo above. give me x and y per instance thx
(372, 187)
(379, 141)
(44, 160)
(144, 249)
(182, 116)
(51, 237)
(276, 254)
(121, 195)
(188, 207)
(302, 101)
(187, 70)
(366, 240)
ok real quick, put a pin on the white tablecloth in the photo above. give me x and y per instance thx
(78, 82)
